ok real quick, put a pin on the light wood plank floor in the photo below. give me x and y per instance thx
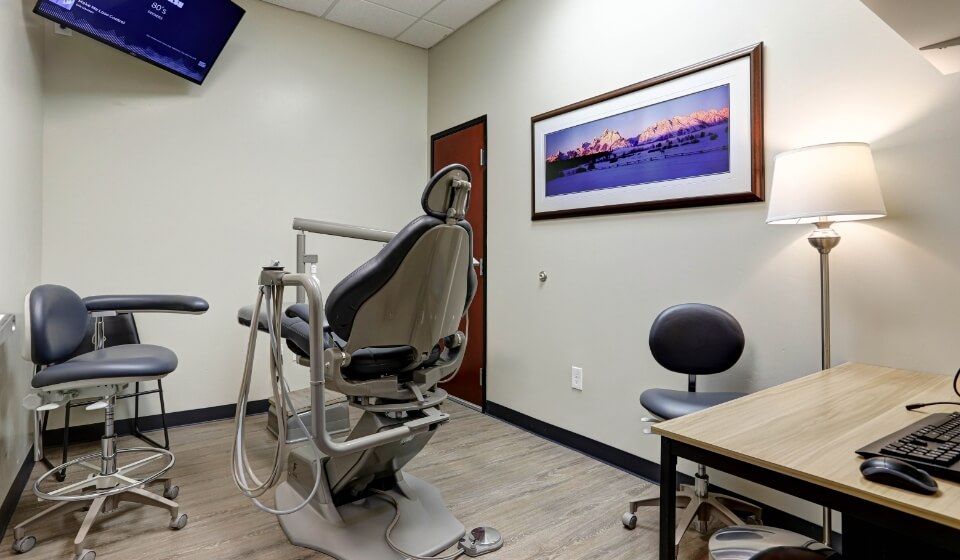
(551, 503)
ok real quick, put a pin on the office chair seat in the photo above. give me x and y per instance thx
(667, 404)
(118, 362)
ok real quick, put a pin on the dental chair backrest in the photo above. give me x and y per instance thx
(415, 291)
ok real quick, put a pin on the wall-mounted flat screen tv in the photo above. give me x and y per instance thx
(182, 36)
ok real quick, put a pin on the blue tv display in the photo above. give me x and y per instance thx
(182, 36)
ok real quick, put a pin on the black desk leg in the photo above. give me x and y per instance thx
(668, 500)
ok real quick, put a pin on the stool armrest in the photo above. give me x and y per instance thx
(146, 303)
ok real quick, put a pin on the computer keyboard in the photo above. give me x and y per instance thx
(932, 444)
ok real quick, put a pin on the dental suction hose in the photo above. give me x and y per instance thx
(273, 279)
(243, 474)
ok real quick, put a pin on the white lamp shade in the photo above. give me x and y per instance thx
(825, 183)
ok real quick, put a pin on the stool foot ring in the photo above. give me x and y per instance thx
(101, 493)
(122, 480)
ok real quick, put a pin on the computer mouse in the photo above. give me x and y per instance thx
(894, 472)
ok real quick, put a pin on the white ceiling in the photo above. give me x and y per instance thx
(923, 23)
(422, 23)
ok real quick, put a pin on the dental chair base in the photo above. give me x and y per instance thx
(336, 409)
(356, 531)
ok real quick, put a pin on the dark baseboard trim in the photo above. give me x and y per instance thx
(602, 452)
(14, 492)
(93, 432)
(643, 468)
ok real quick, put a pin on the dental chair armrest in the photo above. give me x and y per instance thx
(300, 311)
(147, 303)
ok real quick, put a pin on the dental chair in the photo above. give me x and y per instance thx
(693, 339)
(56, 326)
(387, 336)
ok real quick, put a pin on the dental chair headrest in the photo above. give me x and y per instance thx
(440, 195)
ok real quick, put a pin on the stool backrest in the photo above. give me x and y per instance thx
(56, 324)
(696, 339)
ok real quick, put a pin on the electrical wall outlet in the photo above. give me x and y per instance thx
(576, 378)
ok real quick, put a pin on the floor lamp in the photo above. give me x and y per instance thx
(821, 185)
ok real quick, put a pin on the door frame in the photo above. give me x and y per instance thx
(486, 268)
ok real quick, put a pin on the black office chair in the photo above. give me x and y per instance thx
(56, 325)
(693, 339)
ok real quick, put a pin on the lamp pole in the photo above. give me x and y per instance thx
(823, 239)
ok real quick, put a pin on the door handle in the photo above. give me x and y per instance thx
(480, 265)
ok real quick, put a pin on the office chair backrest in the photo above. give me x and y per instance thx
(56, 324)
(417, 288)
(696, 339)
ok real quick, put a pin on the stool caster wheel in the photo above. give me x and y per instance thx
(179, 522)
(629, 520)
(61, 475)
(171, 493)
(86, 554)
(24, 544)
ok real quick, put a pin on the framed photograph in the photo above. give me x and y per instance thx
(693, 137)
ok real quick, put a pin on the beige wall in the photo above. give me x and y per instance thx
(153, 184)
(21, 129)
(833, 72)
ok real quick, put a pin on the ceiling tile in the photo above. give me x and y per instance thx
(314, 7)
(370, 17)
(424, 34)
(455, 13)
(415, 8)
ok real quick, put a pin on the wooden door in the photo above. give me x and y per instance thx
(467, 144)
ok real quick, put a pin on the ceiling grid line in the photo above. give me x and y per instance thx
(421, 23)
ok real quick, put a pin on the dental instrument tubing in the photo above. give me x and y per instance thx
(243, 474)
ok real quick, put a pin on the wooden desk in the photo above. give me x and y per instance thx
(801, 438)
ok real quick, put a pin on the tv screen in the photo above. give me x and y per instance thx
(182, 36)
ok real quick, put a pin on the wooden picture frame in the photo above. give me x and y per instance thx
(693, 137)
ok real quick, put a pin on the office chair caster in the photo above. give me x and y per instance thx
(170, 492)
(179, 522)
(24, 544)
(86, 554)
(629, 520)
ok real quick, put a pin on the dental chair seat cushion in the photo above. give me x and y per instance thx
(668, 404)
(117, 362)
(365, 364)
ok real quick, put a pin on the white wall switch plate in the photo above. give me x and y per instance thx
(576, 378)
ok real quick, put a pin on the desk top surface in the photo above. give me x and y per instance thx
(810, 429)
